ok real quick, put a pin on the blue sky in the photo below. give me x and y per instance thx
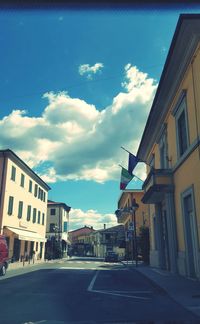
(75, 85)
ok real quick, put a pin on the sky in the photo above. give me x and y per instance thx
(75, 86)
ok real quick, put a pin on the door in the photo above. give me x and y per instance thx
(191, 236)
(41, 249)
(16, 249)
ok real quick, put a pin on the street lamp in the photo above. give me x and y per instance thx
(134, 207)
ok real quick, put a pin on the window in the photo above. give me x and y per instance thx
(43, 218)
(163, 149)
(36, 247)
(182, 133)
(28, 213)
(10, 205)
(36, 190)
(34, 215)
(65, 227)
(42, 192)
(13, 173)
(22, 180)
(30, 186)
(44, 196)
(52, 211)
(39, 213)
(20, 209)
(39, 193)
(52, 227)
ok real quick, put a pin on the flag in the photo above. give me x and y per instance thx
(126, 177)
(132, 162)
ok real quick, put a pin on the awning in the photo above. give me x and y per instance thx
(26, 235)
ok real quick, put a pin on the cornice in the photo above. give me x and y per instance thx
(182, 49)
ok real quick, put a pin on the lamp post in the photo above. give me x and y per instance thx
(132, 226)
(134, 207)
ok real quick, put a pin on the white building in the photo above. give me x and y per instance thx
(23, 207)
(58, 223)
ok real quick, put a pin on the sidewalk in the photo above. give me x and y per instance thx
(183, 290)
(26, 264)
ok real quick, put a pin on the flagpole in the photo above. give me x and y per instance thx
(138, 178)
(139, 160)
(132, 174)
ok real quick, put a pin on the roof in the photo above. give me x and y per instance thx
(126, 191)
(10, 154)
(182, 48)
(61, 204)
(116, 228)
(81, 228)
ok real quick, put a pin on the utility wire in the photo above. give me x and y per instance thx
(33, 94)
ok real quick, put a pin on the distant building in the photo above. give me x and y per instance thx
(109, 239)
(23, 207)
(126, 218)
(57, 225)
(80, 241)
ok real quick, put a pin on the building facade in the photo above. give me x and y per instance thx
(23, 208)
(57, 225)
(127, 218)
(109, 239)
(80, 241)
(170, 145)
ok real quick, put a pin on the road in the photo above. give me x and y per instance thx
(85, 291)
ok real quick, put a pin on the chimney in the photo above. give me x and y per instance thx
(104, 226)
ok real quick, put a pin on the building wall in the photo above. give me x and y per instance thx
(186, 174)
(14, 189)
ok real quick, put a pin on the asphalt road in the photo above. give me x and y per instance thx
(85, 291)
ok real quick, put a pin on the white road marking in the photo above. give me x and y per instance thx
(93, 281)
(131, 291)
(77, 268)
(113, 292)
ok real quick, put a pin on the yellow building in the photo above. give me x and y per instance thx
(141, 214)
(171, 147)
(23, 207)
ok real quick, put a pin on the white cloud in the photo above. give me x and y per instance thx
(78, 141)
(89, 70)
(80, 218)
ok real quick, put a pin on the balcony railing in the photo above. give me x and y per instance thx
(157, 183)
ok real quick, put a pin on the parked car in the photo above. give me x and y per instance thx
(4, 260)
(111, 257)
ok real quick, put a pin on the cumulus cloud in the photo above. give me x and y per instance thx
(77, 141)
(90, 70)
(79, 218)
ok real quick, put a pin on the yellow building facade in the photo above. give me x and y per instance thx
(170, 146)
(141, 214)
(23, 208)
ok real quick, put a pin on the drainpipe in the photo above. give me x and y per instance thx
(1, 190)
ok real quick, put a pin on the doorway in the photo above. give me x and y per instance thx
(16, 249)
(166, 257)
(191, 235)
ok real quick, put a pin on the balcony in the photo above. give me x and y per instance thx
(122, 215)
(157, 184)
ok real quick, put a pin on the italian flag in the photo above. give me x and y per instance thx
(126, 177)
